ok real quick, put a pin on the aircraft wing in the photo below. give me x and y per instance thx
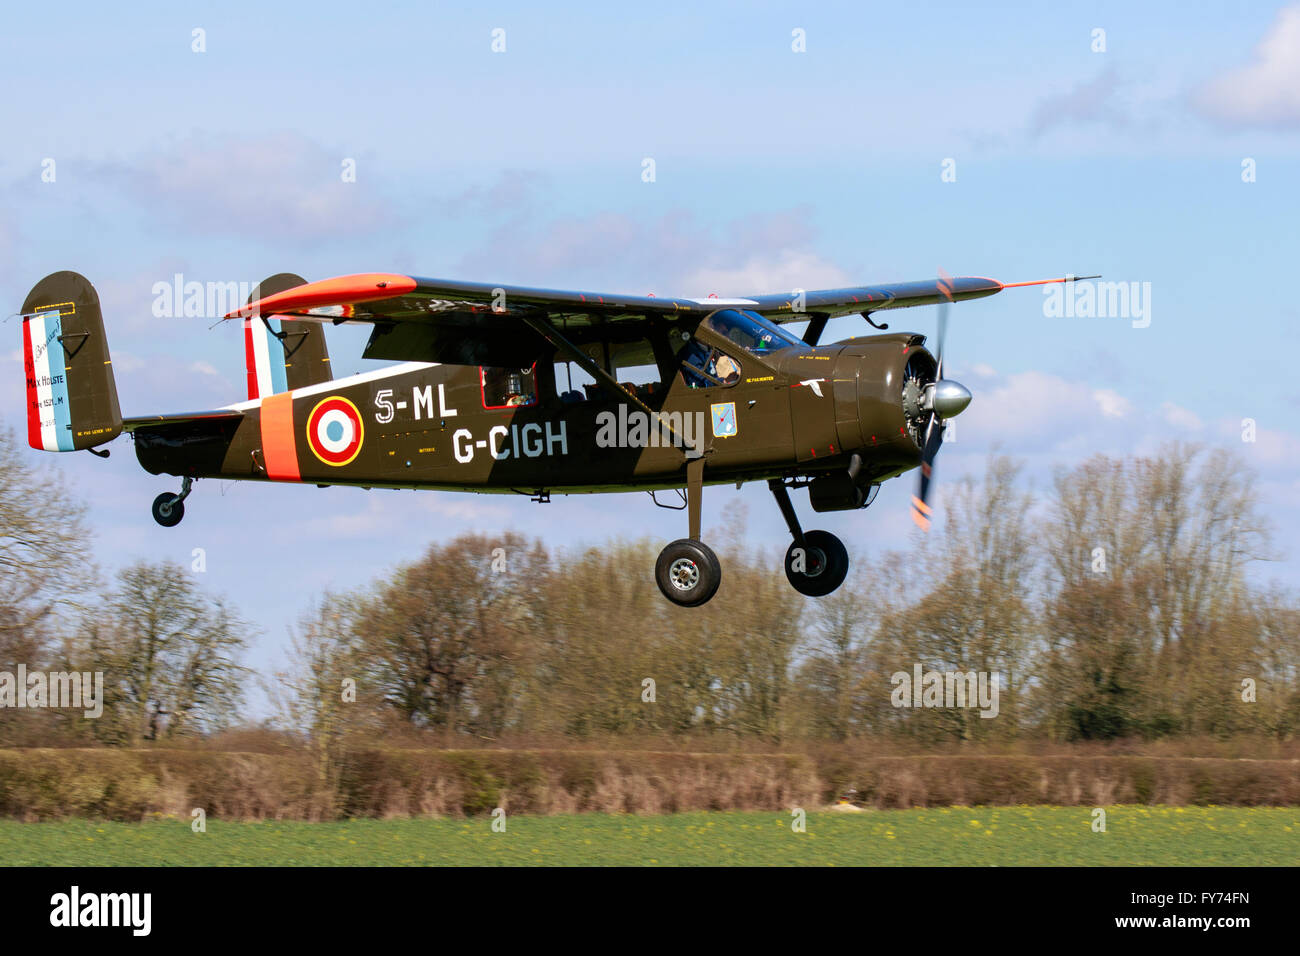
(465, 323)
(796, 307)
(385, 297)
(473, 323)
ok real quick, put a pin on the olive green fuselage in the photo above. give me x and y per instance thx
(795, 412)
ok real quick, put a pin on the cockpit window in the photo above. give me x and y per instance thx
(751, 331)
(705, 367)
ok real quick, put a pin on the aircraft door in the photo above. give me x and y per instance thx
(815, 397)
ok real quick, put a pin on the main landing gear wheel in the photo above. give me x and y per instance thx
(817, 566)
(688, 572)
(168, 509)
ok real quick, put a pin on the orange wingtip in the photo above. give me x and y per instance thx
(344, 290)
(921, 520)
(1070, 278)
(921, 506)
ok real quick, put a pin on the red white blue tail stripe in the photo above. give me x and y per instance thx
(49, 414)
(264, 357)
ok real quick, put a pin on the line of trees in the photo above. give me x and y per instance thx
(1119, 604)
(167, 650)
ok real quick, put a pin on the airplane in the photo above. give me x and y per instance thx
(508, 389)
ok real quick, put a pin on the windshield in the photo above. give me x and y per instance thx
(751, 331)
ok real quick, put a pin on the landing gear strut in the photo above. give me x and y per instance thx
(816, 562)
(688, 572)
(169, 509)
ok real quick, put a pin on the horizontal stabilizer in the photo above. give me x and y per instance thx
(162, 421)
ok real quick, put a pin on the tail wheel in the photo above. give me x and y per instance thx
(168, 510)
(818, 565)
(688, 572)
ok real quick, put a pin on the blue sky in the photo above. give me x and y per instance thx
(774, 170)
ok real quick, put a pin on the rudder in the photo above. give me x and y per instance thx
(71, 395)
(283, 354)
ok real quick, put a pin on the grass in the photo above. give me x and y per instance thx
(948, 836)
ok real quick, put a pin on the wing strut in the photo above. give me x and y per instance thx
(552, 335)
(816, 326)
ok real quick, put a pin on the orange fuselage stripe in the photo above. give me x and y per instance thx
(279, 450)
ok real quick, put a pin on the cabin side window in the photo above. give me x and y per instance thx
(508, 387)
(633, 364)
(572, 383)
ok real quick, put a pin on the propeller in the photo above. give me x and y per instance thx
(943, 399)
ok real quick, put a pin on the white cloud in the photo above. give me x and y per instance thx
(1265, 91)
(672, 255)
(1091, 102)
(1111, 403)
(1033, 406)
(127, 362)
(1272, 448)
(513, 192)
(9, 243)
(1051, 420)
(1180, 417)
(284, 186)
(388, 512)
(170, 381)
(783, 271)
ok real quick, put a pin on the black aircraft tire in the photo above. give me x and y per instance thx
(825, 556)
(168, 510)
(688, 572)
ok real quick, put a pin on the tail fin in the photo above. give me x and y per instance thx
(283, 354)
(71, 395)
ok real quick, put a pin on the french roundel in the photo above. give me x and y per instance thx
(334, 431)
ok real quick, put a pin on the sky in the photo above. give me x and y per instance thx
(792, 146)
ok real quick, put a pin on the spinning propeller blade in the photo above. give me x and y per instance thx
(943, 395)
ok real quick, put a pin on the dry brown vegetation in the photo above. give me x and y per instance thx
(144, 783)
(1139, 657)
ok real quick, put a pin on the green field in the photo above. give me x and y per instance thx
(975, 836)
